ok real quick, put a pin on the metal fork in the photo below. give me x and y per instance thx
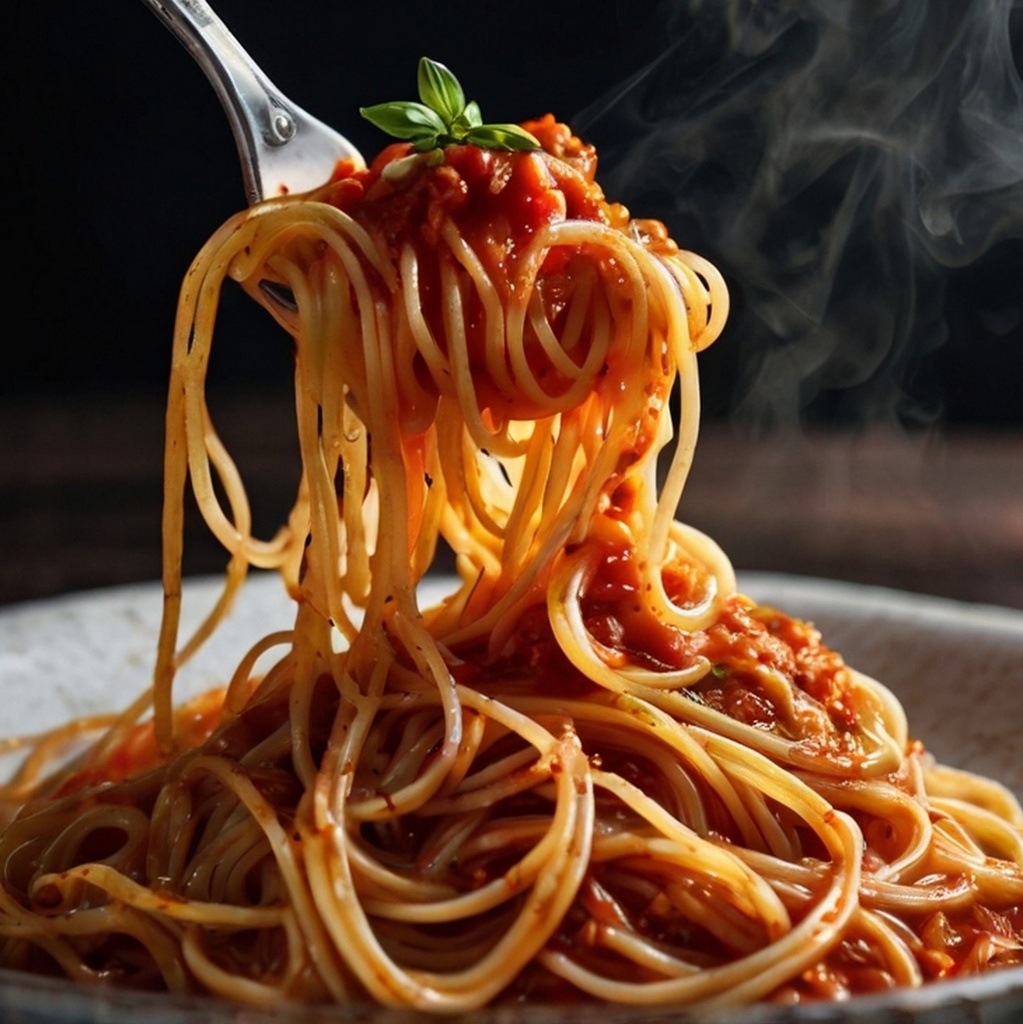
(282, 148)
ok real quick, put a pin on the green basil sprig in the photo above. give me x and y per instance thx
(443, 117)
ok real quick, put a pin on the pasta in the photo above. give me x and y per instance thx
(594, 770)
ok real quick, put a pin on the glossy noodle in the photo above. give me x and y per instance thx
(594, 770)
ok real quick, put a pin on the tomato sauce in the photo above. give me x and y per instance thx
(139, 751)
(496, 201)
(810, 694)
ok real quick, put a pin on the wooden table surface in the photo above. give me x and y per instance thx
(80, 493)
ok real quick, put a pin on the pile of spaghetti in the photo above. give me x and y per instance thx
(593, 770)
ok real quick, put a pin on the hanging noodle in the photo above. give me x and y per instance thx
(594, 770)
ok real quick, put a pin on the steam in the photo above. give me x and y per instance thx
(835, 158)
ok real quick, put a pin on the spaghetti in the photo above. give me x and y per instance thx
(593, 770)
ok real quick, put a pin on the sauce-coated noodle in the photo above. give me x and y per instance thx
(594, 770)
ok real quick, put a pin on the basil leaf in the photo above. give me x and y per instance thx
(439, 89)
(405, 120)
(501, 136)
(470, 116)
(468, 119)
(443, 118)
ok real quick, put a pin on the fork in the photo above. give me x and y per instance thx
(282, 148)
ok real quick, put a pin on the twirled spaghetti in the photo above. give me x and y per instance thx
(594, 770)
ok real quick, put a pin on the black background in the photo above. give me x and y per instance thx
(123, 163)
(120, 165)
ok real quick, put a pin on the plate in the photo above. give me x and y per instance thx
(957, 669)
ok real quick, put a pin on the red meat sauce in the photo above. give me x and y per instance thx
(202, 723)
(139, 751)
(497, 201)
(743, 641)
(971, 941)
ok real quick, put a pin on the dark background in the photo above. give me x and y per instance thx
(854, 167)
(121, 164)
